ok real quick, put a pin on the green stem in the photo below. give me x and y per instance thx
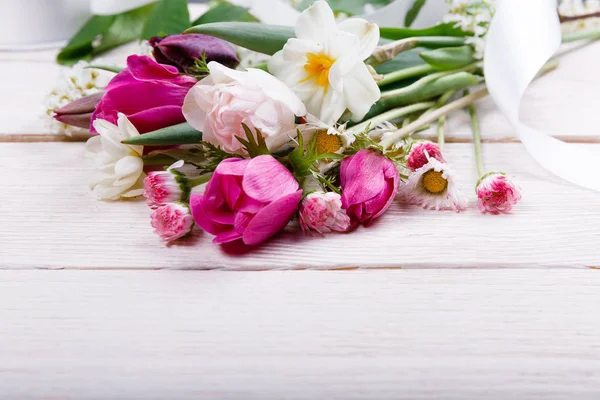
(433, 116)
(201, 180)
(390, 115)
(421, 83)
(441, 126)
(411, 72)
(591, 34)
(476, 139)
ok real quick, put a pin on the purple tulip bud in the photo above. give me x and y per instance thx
(182, 51)
(79, 112)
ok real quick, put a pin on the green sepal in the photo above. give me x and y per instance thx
(255, 146)
(303, 159)
(263, 38)
(172, 135)
(449, 58)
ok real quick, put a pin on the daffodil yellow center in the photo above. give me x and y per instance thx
(317, 66)
(327, 143)
(434, 182)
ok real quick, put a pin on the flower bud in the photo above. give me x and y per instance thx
(323, 213)
(421, 152)
(182, 51)
(162, 187)
(79, 112)
(497, 194)
(172, 221)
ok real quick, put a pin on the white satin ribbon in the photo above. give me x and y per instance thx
(109, 7)
(523, 36)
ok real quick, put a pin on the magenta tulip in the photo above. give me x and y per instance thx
(369, 185)
(151, 95)
(249, 199)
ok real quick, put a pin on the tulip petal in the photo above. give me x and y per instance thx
(367, 33)
(362, 177)
(198, 205)
(272, 219)
(226, 237)
(266, 179)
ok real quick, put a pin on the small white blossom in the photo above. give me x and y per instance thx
(474, 17)
(120, 168)
(73, 84)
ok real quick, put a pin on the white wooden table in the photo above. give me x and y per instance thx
(452, 306)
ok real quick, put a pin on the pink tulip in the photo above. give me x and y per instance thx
(151, 95)
(369, 185)
(172, 221)
(497, 194)
(250, 200)
(421, 152)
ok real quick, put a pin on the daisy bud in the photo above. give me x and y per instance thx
(497, 194)
(172, 221)
(162, 187)
(323, 213)
(421, 152)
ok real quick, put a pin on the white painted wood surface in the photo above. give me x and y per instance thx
(50, 220)
(300, 335)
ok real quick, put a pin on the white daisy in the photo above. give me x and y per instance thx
(434, 187)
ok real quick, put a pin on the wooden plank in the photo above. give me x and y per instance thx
(461, 335)
(562, 103)
(50, 220)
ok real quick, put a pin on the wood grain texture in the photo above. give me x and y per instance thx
(436, 334)
(50, 220)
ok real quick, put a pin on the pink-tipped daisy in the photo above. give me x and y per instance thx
(433, 187)
(496, 193)
(420, 153)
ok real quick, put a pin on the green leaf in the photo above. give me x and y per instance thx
(126, 28)
(450, 57)
(448, 29)
(413, 13)
(225, 12)
(167, 17)
(80, 46)
(263, 38)
(172, 135)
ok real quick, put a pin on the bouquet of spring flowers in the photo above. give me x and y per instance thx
(324, 131)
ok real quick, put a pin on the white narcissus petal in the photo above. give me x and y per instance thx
(93, 146)
(316, 22)
(129, 131)
(367, 33)
(129, 166)
(332, 107)
(360, 91)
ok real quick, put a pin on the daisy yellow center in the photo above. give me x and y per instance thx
(318, 66)
(434, 182)
(327, 143)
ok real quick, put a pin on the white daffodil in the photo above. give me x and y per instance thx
(325, 66)
(120, 168)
